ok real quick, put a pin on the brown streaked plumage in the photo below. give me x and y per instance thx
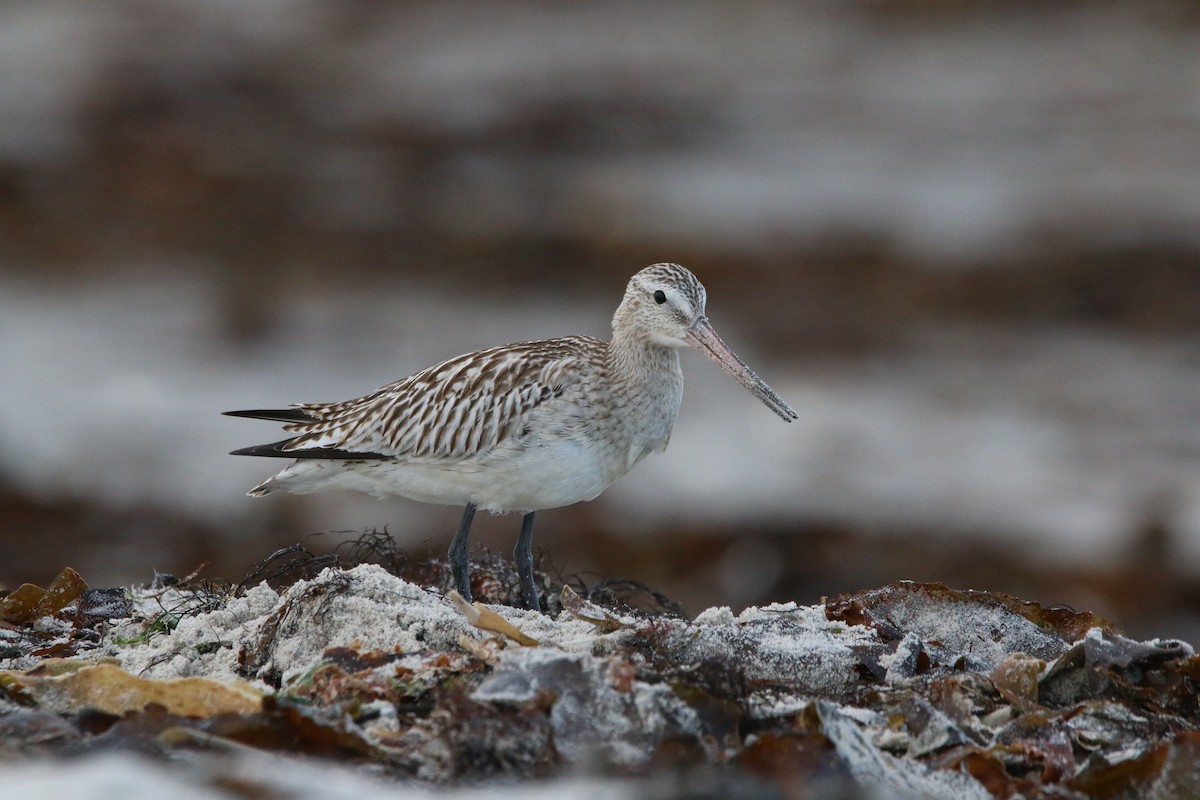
(520, 427)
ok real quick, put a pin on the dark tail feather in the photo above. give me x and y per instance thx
(275, 450)
(274, 414)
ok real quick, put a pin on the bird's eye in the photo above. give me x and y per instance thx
(660, 297)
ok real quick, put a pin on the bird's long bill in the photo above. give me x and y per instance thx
(702, 337)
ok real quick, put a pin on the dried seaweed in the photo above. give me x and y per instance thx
(286, 566)
(633, 597)
(494, 578)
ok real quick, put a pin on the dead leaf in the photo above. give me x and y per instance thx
(587, 611)
(110, 689)
(1016, 678)
(484, 618)
(50, 667)
(28, 602)
(478, 648)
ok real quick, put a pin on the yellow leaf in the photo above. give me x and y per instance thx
(483, 617)
(110, 689)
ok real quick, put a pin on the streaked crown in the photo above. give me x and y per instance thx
(672, 278)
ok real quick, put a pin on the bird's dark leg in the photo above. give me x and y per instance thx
(523, 555)
(460, 564)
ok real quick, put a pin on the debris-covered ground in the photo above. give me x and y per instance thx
(313, 679)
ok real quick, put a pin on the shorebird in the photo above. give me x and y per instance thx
(520, 427)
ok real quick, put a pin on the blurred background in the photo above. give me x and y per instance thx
(959, 237)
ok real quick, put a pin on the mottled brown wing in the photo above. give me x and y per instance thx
(452, 411)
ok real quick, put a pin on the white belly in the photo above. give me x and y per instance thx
(544, 476)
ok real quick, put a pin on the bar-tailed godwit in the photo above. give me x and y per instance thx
(520, 427)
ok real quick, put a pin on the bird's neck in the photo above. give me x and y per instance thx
(637, 362)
